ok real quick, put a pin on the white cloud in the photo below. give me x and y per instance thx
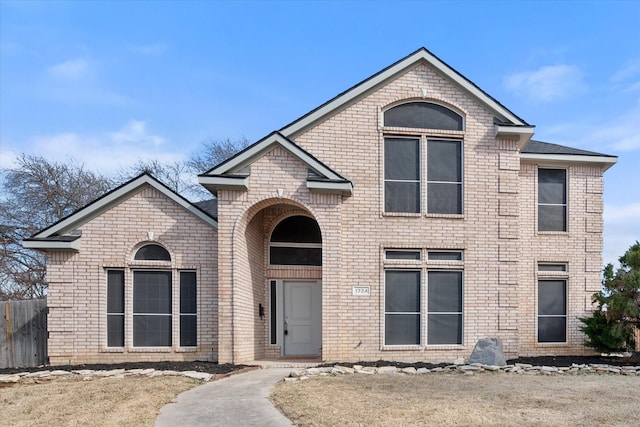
(630, 70)
(622, 133)
(548, 83)
(106, 152)
(136, 132)
(71, 70)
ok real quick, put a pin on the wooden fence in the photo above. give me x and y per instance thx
(23, 333)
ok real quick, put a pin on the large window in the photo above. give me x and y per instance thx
(296, 240)
(402, 175)
(425, 115)
(444, 307)
(552, 200)
(402, 307)
(188, 309)
(152, 308)
(115, 308)
(552, 311)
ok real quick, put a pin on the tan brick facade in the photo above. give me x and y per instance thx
(78, 281)
(496, 232)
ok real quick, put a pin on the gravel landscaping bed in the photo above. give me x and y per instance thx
(197, 366)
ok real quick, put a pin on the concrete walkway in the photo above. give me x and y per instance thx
(238, 400)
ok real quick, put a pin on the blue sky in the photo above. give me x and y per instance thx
(108, 82)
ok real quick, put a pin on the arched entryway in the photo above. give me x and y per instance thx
(277, 274)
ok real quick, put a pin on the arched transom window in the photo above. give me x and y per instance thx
(152, 252)
(296, 240)
(424, 115)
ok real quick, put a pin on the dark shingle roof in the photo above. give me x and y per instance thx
(539, 147)
(209, 206)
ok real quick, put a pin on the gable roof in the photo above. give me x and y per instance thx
(53, 237)
(368, 85)
(546, 151)
(230, 174)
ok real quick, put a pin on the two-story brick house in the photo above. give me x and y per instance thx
(404, 219)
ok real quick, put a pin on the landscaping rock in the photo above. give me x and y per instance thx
(387, 370)
(488, 351)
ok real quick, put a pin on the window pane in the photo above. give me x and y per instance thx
(402, 291)
(445, 291)
(552, 186)
(295, 256)
(188, 291)
(188, 331)
(552, 297)
(444, 161)
(444, 329)
(115, 291)
(402, 158)
(444, 198)
(552, 218)
(152, 253)
(299, 229)
(151, 331)
(403, 255)
(552, 329)
(552, 267)
(115, 330)
(423, 115)
(152, 292)
(402, 329)
(402, 196)
(445, 256)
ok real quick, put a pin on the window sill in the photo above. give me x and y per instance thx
(112, 350)
(402, 214)
(411, 347)
(186, 349)
(552, 344)
(446, 216)
(444, 347)
(150, 350)
(552, 233)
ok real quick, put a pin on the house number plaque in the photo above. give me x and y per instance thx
(361, 291)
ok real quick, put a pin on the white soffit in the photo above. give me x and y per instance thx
(605, 161)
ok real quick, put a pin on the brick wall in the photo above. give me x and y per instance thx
(77, 281)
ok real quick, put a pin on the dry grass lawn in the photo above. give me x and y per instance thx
(129, 401)
(461, 400)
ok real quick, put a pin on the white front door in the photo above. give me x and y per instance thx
(302, 318)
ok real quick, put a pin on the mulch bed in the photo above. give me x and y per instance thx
(215, 368)
(198, 366)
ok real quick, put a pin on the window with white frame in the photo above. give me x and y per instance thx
(402, 307)
(552, 199)
(444, 307)
(403, 180)
(552, 310)
(152, 306)
(188, 309)
(296, 240)
(115, 308)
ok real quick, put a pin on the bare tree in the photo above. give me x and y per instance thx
(35, 194)
(214, 152)
(177, 175)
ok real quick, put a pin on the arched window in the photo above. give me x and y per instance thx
(296, 240)
(152, 252)
(425, 115)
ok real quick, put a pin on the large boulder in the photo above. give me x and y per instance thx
(488, 351)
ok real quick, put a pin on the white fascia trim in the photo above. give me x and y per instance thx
(524, 133)
(607, 162)
(295, 127)
(256, 150)
(238, 183)
(106, 202)
(44, 245)
(344, 188)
